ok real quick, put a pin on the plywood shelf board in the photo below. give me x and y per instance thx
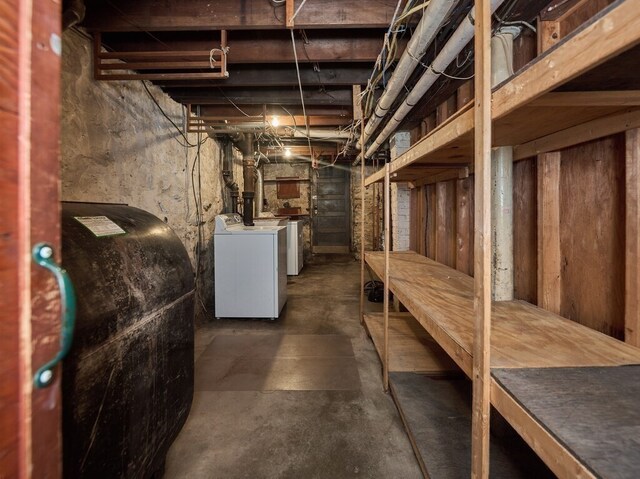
(523, 335)
(437, 416)
(592, 413)
(411, 349)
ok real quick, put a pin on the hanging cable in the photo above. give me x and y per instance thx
(304, 110)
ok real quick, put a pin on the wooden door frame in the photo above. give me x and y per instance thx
(348, 213)
(30, 445)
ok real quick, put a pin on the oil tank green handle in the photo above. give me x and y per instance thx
(43, 255)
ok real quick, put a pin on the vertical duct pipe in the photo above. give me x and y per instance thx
(502, 178)
(248, 173)
(259, 191)
(227, 176)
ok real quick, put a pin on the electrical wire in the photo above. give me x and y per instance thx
(187, 143)
(304, 110)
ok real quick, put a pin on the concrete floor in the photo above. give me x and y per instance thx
(354, 432)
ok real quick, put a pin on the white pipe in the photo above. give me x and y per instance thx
(259, 191)
(454, 46)
(502, 179)
(426, 30)
(322, 134)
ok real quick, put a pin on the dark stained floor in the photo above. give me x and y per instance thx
(300, 397)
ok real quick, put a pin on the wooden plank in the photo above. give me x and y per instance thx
(358, 114)
(482, 244)
(385, 275)
(411, 348)
(464, 94)
(446, 223)
(143, 15)
(464, 225)
(619, 24)
(591, 130)
(289, 11)
(588, 98)
(523, 335)
(446, 109)
(632, 239)
(14, 301)
(592, 227)
(525, 233)
(557, 457)
(431, 221)
(549, 258)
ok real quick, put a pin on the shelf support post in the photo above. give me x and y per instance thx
(358, 114)
(387, 247)
(482, 243)
(632, 254)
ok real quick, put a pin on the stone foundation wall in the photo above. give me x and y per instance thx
(117, 147)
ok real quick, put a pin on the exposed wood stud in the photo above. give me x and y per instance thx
(387, 248)
(632, 235)
(549, 257)
(482, 243)
(358, 114)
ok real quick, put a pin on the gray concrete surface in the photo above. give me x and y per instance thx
(298, 433)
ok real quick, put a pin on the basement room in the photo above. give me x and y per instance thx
(320, 239)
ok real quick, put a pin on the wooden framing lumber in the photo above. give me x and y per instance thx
(592, 130)
(549, 257)
(387, 247)
(632, 239)
(619, 24)
(555, 455)
(358, 114)
(482, 244)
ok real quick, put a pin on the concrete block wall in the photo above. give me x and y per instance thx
(400, 197)
(117, 147)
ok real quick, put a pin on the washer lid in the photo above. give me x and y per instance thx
(255, 230)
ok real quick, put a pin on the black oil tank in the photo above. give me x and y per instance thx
(128, 379)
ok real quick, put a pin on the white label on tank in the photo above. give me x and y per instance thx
(100, 225)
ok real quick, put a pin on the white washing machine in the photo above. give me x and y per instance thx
(250, 269)
(295, 247)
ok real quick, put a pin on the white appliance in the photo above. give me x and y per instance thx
(250, 269)
(295, 248)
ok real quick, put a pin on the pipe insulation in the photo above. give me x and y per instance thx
(427, 28)
(502, 178)
(460, 38)
(259, 199)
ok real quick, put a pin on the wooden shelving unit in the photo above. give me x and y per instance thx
(528, 114)
(503, 345)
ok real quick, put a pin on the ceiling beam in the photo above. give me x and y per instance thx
(282, 96)
(266, 76)
(283, 120)
(264, 47)
(147, 15)
(228, 110)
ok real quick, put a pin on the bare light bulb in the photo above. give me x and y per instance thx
(287, 153)
(275, 122)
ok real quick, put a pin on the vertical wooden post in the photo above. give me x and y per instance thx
(358, 113)
(482, 256)
(387, 247)
(549, 285)
(632, 241)
(289, 6)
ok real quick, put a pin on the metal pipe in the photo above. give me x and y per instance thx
(245, 144)
(502, 178)
(259, 199)
(463, 35)
(429, 25)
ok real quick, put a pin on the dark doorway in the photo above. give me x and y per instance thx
(331, 211)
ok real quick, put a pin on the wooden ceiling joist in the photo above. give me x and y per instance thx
(260, 47)
(146, 15)
(273, 96)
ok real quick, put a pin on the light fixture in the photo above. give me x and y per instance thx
(287, 152)
(275, 121)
